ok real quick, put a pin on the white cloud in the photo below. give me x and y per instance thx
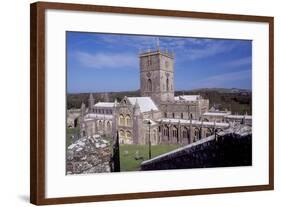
(107, 60)
(238, 62)
(222, 79)
(209, 49)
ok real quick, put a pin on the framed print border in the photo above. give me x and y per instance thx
(38, 98)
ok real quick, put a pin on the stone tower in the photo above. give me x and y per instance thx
(157, 75)
(91, 103)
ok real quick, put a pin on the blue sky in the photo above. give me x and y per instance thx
(109, 62)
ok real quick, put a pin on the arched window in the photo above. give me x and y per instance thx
(121, 120)
(167, 84)
(100, 125)
(108, 125)
(173, 114)
(149, 85)
(128, 120)
(165, 115)
(175, 132)
(128, 135)
(185, 133)
(166, 131)
(182, 115)
(121, 133)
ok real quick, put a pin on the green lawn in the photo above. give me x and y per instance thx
(128, 161)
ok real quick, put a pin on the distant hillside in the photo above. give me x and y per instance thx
(234, 99)
(221, 90)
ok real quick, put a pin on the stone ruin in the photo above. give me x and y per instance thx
(88, 155)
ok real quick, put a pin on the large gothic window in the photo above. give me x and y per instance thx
(167, 84)
(149, 85)
(121, 120)
(128, 120)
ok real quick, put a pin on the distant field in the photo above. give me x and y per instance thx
(128, 154)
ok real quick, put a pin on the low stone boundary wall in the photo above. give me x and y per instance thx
(214, 151)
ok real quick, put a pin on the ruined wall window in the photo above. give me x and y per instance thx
(184, 133)
(149, 85)
(128, 120)
(167, 84)
(165, 115)
(173, 114)
(182, 115)
(121, 120)
(175, 132)
(166, 131)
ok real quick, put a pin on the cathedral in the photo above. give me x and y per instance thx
(158, 116)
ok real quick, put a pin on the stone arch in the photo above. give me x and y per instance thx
(185, 135)
(149, 85)
(175, 134)
(166, 131)
(208, 132)
(128, 120)
(100, 125)
(128, 135)
(108, 125)
(121, 120)
(121, 136)
(196, 134)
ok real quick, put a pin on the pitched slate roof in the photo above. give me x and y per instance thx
(104, 104)
(187, 97)
(145, 103)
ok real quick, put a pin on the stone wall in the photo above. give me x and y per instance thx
(222, 150)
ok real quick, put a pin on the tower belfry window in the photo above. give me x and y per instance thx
(149, 85)
(167, 84)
